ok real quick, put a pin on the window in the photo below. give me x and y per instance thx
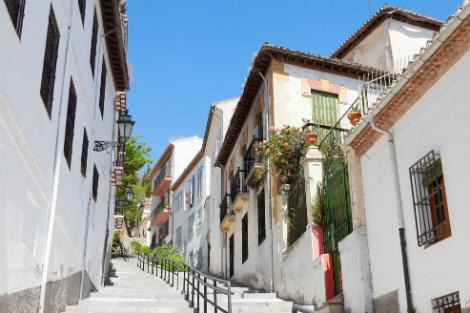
(178, 237)
(231, 246)
(199, 258)
(82, 7)
(190, 226)
(189, 194)
(70, 124)
(447, 304)
(193, 189)
(200, 172)
(84, 160)
(260, 125)
(102, 87)
(261, 218)
(179, 203)
(50, 62)
(94, 35)
(245, 238)
(429, 200)
(16, 10)
(96, 178)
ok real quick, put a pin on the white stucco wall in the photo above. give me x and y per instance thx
(437, 122)
(390, 46)
(28, 146)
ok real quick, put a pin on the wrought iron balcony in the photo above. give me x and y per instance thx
(254, 167)
(238, 190)
(163, 181)
(227, 217)
(161, 213)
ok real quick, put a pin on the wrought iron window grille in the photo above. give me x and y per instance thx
(84, 159)
(447, 304)
(429, 200)
(96, 177)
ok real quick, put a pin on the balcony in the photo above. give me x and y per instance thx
(161, 213)
(117, 176)
(254, 167)
(162, 182)
(238, 190)
(227, 217)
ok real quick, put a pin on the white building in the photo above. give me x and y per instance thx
(63, 64)
(260, 247)
(174, 159)
(192, 192)
(410, 158)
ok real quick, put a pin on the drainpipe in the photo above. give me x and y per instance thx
(55, 183)
(400, 220)
(269, 178)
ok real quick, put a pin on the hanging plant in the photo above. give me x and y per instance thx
(285, 149)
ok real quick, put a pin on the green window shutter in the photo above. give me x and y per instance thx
(325, 108)
(260, 126)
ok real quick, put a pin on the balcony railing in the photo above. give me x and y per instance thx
(162, 205)
(238, 190)
(237, 184)
(251, 158)
(162, 181)
(224, 207)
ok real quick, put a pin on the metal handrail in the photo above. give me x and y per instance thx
(251, 158)
(195, 283)
(224, 207)
(237, 184)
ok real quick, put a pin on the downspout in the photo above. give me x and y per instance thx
(55, 183)
(400, 220)
(269, 178)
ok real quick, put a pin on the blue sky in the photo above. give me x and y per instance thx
(184, 55)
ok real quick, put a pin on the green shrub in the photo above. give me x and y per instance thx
(117, 243)
(136, 247)
(168, 253)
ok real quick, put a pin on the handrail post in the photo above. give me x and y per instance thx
(215, 296)
(184, 280)
(205, 294)
(192, 289)
(229, 300)
(161, 268)
(148, 264)
(198, 293)
(172, 273)
(187, 283)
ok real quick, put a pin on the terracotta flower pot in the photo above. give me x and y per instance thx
(311, 138)
(354, 117)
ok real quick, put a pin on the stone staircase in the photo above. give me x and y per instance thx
(131, 290)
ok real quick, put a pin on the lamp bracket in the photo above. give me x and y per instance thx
(101, 145)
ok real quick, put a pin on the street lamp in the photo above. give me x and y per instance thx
(125, 124)
(130, 195)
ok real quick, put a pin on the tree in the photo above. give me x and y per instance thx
(137, 157)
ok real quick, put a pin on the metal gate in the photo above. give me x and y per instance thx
(337, 219)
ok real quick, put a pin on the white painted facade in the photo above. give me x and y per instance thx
(52, 228)
(437, 121)
(390, 46)
(183, 151)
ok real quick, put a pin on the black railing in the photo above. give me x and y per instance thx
(163, 204)
(200, 290)
(121, 252)
(120, 154)
(164, 172)
(119, 206)
(224, 207)
(237, 184)
(251, 158)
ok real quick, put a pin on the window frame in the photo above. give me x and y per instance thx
(95, 183)
(104, 74)
(84, 157)
(16, 13)
(94, 42)
(245, 240)
(427, 181)
(261, 213)
(82, 10)
(51, 54)
(70, 124)
(449, 303)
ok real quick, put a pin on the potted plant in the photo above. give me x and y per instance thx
(354, 115)
(311, 137)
